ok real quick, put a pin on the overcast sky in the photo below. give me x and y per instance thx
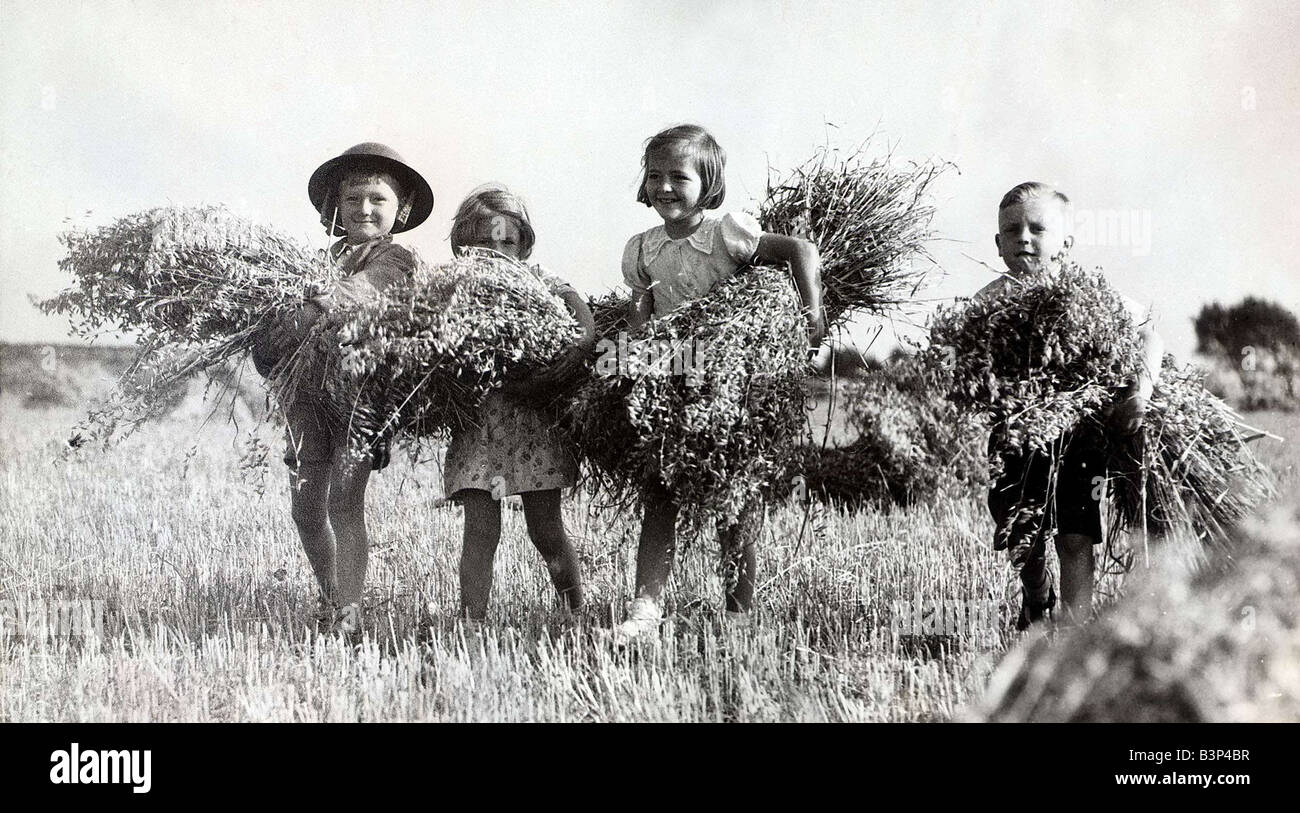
(1177, 119)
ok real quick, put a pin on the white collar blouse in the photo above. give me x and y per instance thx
(677, 271)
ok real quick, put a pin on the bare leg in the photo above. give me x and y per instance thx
(347, 510)
(740, 560)
(1035, 581)
(1036, 594)
(309, 490)
(546, 529)
(654, 564)
(478, 550)
(1077, 561)
(657, 546)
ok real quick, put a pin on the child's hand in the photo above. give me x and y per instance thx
(276, 340)
(1127, 412)
(265, 351)
(281, 337)
(311, 310)
(819, 359)
(544, 384)
(816, 327)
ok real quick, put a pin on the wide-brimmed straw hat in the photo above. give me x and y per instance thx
(417, 196)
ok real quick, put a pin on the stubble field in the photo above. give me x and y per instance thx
(209, 602)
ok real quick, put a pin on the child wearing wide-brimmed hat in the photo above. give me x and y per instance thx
(365, 195)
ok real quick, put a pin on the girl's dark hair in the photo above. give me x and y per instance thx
(710, 161)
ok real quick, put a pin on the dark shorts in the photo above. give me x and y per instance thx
(1018, 498)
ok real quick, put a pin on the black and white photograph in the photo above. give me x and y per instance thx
(703, 361)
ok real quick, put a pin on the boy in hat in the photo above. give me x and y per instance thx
(365, 196)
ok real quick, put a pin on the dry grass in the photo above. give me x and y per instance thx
(905, 442)
(211, 598)
(870, 219)
(421, 358)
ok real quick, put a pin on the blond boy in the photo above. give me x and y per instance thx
(1033, 234)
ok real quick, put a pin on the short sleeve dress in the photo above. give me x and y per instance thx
(682, 270)
(515, 449)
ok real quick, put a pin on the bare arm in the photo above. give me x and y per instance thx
(1153, 354)
(805, 267)
(578, 307)
(640, 309)
(1131, 404)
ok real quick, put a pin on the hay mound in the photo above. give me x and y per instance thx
(421, 358)
(1040, 356)
(198, 286)
(911, 446)
(1044, 360)
(184, 275)
(1221, 645)
(194, 285)
(704, 402)
(1197, 470)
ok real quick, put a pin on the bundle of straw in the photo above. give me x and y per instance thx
(1196, 469)
(609, 312)
(420, 358)
(911, 443)
(198, 286)
(184, 276)
(194, 285)
(869, 219)
(1218, 644)
(1040, 356)
(1045, 358)
(705, 402)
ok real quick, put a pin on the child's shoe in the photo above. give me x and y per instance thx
(642, 617)
(1033, 611)
(348, 621)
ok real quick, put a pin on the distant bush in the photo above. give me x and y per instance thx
(1265, 384)
(1257, 341)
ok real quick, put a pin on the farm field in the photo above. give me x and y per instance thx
(210, 599)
